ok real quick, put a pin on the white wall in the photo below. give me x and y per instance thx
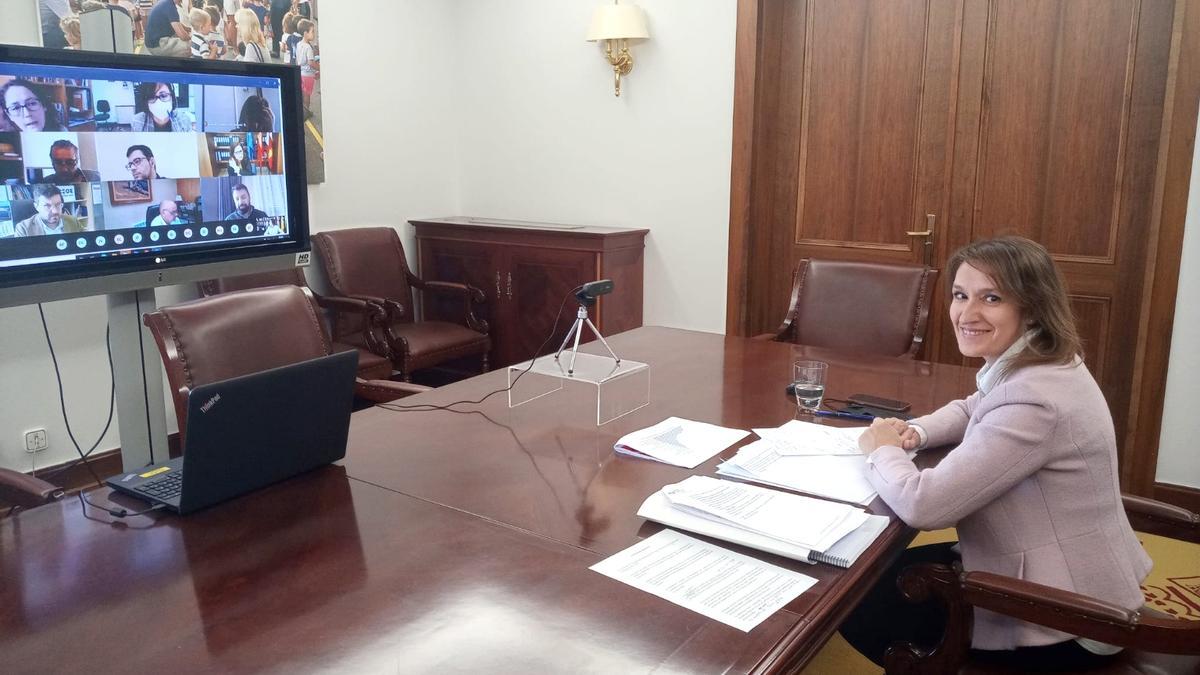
(391, 156)
(543, 137)
(1178, 461)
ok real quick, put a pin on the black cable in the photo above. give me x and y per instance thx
(536, 355)
(62, 402)
(118, 512)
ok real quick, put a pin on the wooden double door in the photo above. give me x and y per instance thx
(899, 130)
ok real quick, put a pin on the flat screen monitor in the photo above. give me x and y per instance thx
(127, 172)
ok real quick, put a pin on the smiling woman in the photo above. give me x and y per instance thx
(1031, 485)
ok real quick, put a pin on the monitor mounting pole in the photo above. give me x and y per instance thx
(137, 376)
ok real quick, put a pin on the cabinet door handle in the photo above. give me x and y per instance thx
(498, 293)
(510, 285)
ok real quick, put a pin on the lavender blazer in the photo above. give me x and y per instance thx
(1032, 488)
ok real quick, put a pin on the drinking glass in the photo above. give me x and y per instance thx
(808, 380)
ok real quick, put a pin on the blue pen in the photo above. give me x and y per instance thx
(842, 413)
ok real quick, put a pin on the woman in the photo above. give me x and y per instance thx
(1032, 484)
(251, 42)
(238, 166)
(156, 101)
(256, 115)
(26, 107)
(71, 31)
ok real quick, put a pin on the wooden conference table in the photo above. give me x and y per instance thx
(445, 542)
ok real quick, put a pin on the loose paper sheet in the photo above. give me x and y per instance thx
(798, 437)
(680, 442)
(729, 587)
(838, 477)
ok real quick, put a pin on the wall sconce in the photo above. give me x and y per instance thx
(618, 22)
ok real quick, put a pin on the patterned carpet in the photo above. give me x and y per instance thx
(1173, 587)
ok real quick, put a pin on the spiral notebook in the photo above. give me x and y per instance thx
(843, 553)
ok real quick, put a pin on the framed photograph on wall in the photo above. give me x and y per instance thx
(130, 192)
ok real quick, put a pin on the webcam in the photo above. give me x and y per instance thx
(588, 293)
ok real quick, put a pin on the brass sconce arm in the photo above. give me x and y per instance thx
(622, 63)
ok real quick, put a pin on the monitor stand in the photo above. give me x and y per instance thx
(137, 377)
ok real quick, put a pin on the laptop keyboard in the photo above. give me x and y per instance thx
(165, 488)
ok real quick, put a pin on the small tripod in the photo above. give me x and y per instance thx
(581, 317)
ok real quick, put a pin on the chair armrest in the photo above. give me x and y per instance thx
(470, 295)
(374, 318)
(1162, 518)
(382, 391)
(1069, 612)
(26, 491)
(395, 310)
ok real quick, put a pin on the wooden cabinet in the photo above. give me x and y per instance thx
(526, 270)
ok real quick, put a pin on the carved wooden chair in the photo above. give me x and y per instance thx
(19, 491)
(872, 308)
(368, 263)
(354, 324)
(232, 334)
(1154, 642)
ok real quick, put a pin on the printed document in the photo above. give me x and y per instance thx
(729, 587)
(815, 524)
(837, 477)
(680, 442)
(798, 437)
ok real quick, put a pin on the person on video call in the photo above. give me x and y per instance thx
(1031, 484)
(245, 207)
(26, 109)
(141, 163)
(49, 218)
(168, 214)
(156, 100)
(238, 164)
(165, 33)
(256, 115)
(64, 157)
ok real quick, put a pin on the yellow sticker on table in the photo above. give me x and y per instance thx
(161, 469)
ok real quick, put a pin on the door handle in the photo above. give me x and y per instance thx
(930, 221)
(499, 294)
(510, 285)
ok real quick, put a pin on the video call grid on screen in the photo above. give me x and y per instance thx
(88, 156)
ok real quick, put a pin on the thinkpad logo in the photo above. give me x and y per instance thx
(210, 403)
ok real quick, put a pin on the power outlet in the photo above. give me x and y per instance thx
(35, 440)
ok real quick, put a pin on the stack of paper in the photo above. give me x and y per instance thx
(802, 528)
(835, 476)
(798, 437)
(678, 441)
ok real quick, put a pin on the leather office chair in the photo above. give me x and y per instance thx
(1154, 642)
(18, 491)
(873, 308)
(232, 334)
(368, 263)
(354, 325)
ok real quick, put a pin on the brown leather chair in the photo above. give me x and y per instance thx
(1154, 642)
(232, 334)
(354, 323)
(368, 263)
(872, 308)
(19, 491)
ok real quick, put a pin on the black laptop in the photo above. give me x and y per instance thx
(248, 432)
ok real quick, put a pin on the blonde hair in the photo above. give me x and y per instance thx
(248, 28)
(1024, 270)
(200, 18)
(70, 29)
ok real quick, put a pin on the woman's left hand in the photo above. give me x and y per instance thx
(879, 434)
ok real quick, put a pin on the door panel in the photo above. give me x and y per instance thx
(1056, 93)
(540, 279)
(864, 145)
(461, 262)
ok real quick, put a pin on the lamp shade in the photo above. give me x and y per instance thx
(615, 22)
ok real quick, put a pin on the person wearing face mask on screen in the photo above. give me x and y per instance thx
(156, 100)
